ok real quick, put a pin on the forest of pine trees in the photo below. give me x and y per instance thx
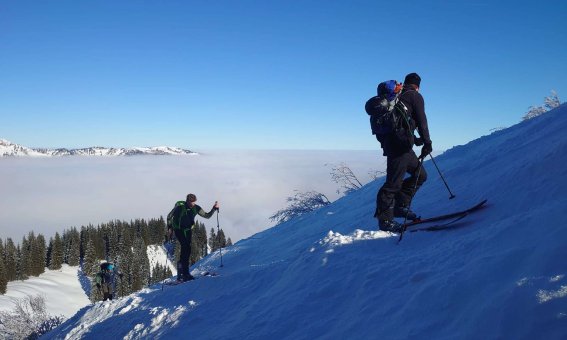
(124, 243)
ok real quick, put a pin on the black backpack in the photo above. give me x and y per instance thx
(389, 119)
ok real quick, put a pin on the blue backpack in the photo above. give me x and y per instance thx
(389, 116)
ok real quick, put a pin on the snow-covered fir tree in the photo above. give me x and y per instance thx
(140, 265)
(90, 261)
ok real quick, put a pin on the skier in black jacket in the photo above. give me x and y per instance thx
(394, 196)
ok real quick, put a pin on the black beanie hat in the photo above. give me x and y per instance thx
(412, 78)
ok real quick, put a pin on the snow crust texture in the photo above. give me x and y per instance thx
(498, 274)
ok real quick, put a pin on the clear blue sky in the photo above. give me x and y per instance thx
(268, 74)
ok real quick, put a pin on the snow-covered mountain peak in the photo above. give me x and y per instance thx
(9, 149)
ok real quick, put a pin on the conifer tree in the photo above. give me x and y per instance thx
(198, 242)
(114, 242)
(56, 260)
(141, 265)
(3, 273)
(20, 267)
(2, 251)
(40, 251)
(73, 247)
(10, 260)
(25, 258)
(213, 241)
(3, 276)
(125, 262)
(157, 229)
(84, 241)
(157, 273)
(221, 239)
(90, 261)
(48, 253)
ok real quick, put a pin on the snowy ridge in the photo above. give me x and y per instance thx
(9, 149)
(498, 274)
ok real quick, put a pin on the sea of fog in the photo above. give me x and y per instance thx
(52, 194)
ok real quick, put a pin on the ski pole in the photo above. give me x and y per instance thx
(218, 233)
(420, 164)
(442, 177)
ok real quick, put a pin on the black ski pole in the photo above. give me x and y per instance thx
(442, 177)
(404, 226)
(218, 233)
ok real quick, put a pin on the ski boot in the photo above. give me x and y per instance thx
(390, 225)
(402, 211)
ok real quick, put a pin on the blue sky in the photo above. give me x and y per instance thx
(268, 74)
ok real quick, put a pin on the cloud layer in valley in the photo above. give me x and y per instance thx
(49, 195)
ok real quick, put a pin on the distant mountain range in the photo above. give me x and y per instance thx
(9, 149)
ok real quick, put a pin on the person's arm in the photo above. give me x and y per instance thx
(421, 118)
(209, 214)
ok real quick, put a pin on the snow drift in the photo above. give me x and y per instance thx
(499, 273)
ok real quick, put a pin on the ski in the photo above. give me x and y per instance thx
(446, 216)
(456, 215)
(439, 226)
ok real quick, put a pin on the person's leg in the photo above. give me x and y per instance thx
(105, 292)
(409, 187)
(188, 237)
(184, 253)
(385, 200)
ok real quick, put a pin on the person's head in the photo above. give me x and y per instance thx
(412, 80)
(191, 199)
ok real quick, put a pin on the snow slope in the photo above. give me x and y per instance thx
(61, 289)
(157, 255)
(500, 273)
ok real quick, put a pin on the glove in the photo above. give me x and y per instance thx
(425, 150)
(120, 275)
(98, 285)
(418, 141)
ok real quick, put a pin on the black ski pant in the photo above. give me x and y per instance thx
(184, 238)
(398, 191)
